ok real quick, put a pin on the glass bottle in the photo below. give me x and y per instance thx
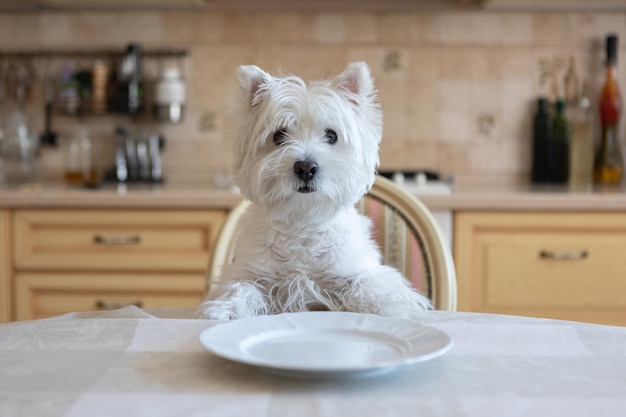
(19, 150)
(542, 144)
(19, 145)
(581, 145)
(609, 164)
(79, 166)
(560, 145)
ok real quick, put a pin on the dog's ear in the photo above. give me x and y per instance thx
(356, 80)
(251, 80)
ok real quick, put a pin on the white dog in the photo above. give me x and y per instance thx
(304, 155)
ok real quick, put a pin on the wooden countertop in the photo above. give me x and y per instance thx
(204, 196)
(174, 196)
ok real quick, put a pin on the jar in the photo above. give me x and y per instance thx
(19, 150)
(79, 164)
(170, 96)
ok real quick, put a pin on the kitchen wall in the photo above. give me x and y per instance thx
(457, 88)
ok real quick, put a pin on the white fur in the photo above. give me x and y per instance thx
(300, 251)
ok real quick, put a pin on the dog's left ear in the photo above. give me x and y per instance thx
(252, 79)
(356, 80)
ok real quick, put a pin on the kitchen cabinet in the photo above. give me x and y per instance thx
(567, 266)
(77, 260)
(5, 278)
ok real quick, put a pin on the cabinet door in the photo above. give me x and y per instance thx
(41, 295)
(558, 265)
(5, 268)
(115, 240)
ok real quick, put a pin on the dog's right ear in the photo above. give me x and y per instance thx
(252, 79)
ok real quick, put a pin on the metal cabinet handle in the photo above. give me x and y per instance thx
(558, 255)
(113, 305)
(117, 240)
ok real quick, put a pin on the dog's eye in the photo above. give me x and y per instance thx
(280, 137)
(331, 136)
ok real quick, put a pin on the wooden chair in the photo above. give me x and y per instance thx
(405, 230)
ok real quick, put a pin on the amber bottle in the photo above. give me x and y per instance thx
(609, 164)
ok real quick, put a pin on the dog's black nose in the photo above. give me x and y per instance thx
(305, 170)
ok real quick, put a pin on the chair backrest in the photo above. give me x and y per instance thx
(405, 230)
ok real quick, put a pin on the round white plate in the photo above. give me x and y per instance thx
(325, 344)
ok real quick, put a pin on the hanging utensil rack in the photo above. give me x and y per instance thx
(90, 53)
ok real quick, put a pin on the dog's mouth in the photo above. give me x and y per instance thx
(306, 189)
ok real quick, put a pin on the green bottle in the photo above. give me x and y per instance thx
(560, 149)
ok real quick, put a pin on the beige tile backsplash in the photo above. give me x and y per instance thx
(457, 88)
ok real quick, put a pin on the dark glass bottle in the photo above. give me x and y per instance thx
(128, 90)
(542, 144)
(560, 147)
(609, 164)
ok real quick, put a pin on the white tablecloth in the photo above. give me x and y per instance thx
(137, 363)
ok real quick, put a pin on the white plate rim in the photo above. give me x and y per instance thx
(213, 339)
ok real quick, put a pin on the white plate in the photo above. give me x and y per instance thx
(325, 344)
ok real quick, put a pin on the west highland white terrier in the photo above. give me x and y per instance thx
(304, 156)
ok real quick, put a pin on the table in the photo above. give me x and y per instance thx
(133, 362)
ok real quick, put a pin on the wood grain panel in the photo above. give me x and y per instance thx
(5, 267)
(117, 240)
(41, 295)
(580, 276)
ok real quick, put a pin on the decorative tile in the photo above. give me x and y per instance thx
(384, 63)
(455, 95)
(425, 63)
(423, 122)
(393, 95)
(394, 124)
(454, 126)
(91, 28)
(517, 29)
(424, 107)
(310, 62)
(213, 78)
(362, 28)
(605, 23)
(425, 28)
(486, 28)
(486, 125)
(485, 110)
(484, 159)
(455, 28)
(330, 28)
(453, 158)
(454, 63)
(395, 27)
(516, 62)
(239, 28)
(401, 155)
(563, 28)
(192, 28)
(284, 27)
(485, 63)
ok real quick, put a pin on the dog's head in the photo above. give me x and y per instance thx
(306, 151)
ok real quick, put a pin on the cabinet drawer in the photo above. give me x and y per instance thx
(114, 240)
(45, 295)
(566, 266)
(554, 269)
